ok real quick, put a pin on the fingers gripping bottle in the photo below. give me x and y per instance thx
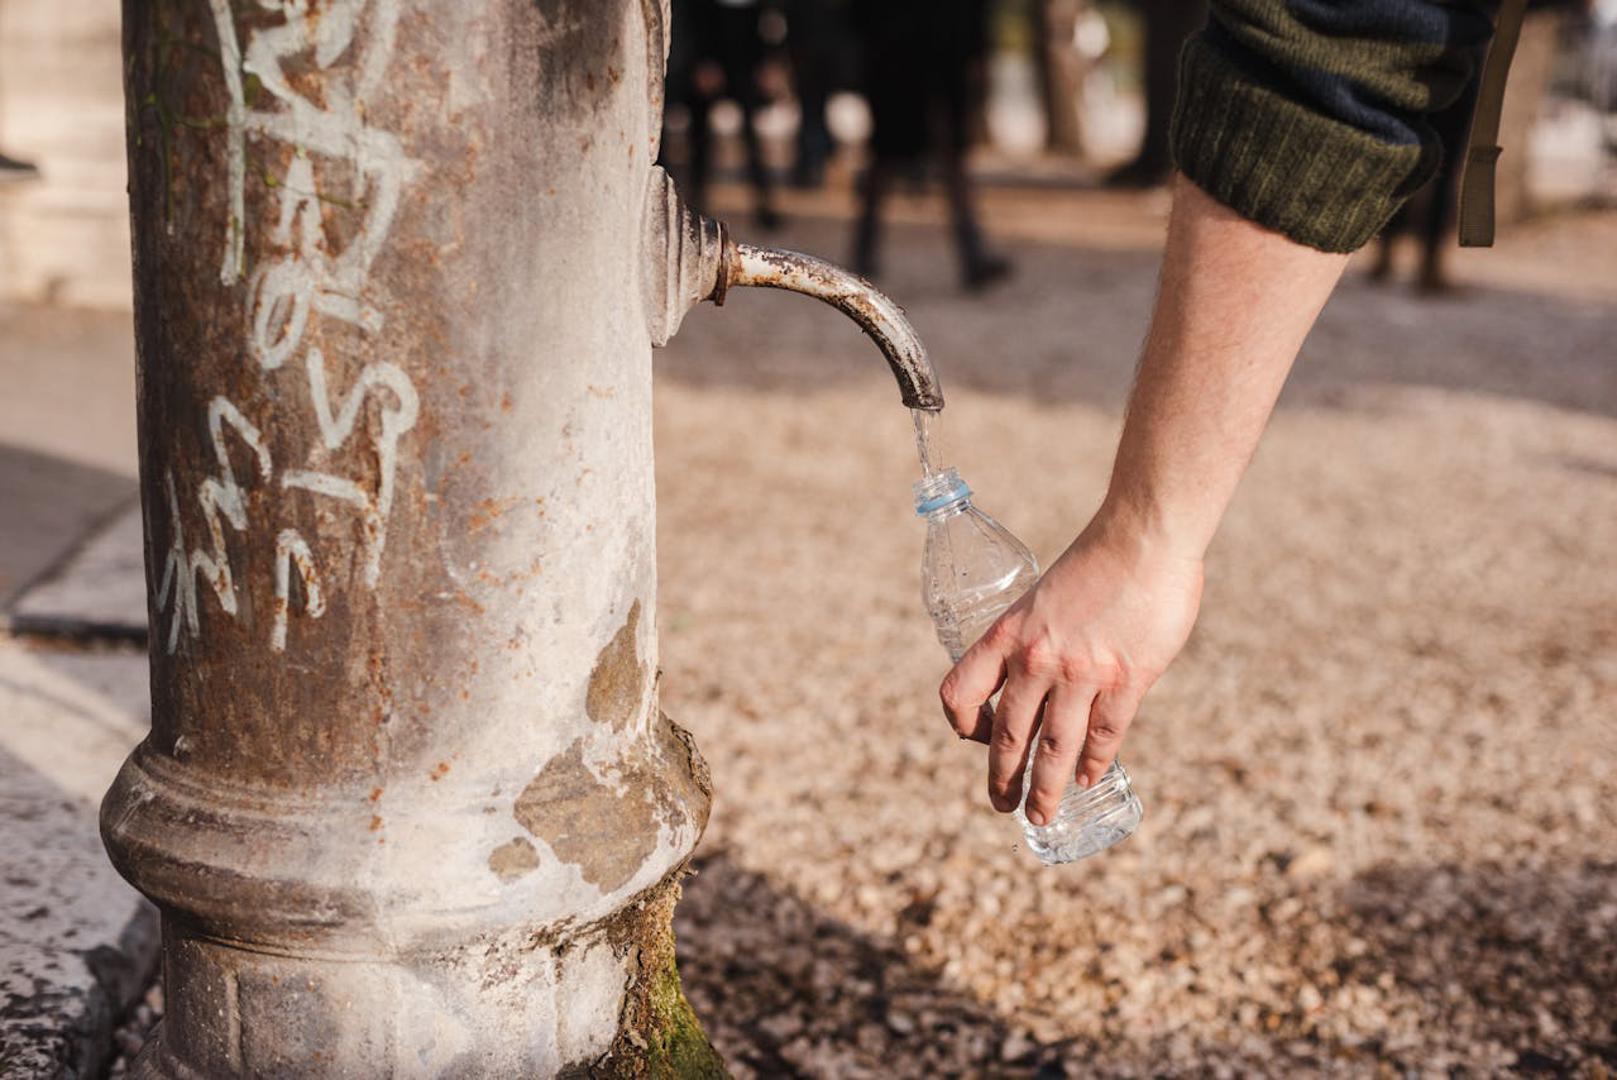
(972, 570)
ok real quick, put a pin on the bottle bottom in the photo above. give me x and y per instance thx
(1086, 822)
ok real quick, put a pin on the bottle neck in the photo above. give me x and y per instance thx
(943, 513)
(942, 494)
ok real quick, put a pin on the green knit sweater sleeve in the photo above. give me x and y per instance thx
(1308, 116)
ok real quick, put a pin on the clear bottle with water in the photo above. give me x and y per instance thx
(972, 570)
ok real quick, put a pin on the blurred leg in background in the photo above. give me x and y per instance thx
(812, 37)
(716, 53)
(1431, 215)
(739, 52)
(895, 86)
(1167, 24)
(1531, 73)
(681, 92)
(1061, 70)
(925, 80)
(700, 106)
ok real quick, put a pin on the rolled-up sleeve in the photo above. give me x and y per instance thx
(1309, 116)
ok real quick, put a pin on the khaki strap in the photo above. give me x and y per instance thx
(1482, 149)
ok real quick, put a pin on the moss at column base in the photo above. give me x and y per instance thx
(659, 1036)
(679, 1047)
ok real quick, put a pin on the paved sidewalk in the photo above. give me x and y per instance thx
(97, 591)
(77, 945)
(67, 437)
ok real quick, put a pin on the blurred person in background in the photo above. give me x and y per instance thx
(1062, 63)
(718, 52)
(817, 41)
(925, 79)
(1167, 24)
(1431, 214)
(1300, 129)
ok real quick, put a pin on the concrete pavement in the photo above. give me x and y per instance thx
(77, 945)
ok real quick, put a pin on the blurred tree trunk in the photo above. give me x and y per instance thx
(1167, 24)
(1530, 73)
(1061, 71)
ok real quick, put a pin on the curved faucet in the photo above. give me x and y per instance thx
(698, 261)
(874, 311)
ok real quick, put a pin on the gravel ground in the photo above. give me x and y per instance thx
(1380, 783)
(131, 1035)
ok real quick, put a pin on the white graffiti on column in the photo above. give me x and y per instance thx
(219, 495)
(398, 417)
(290, 548)
(289, 294)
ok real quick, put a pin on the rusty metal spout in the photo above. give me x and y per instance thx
(875, 312)
(690, 258)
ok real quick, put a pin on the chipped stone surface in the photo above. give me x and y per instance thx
(618, 681)
(608, 835)
(513, 860)
(686, 791)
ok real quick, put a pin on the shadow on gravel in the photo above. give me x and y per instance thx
(785, 990)
(1499, 963)
(1525, 957)
(1068, 328)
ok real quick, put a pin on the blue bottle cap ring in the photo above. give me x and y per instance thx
(955, 493)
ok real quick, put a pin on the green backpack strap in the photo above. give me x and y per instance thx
(1482, 149)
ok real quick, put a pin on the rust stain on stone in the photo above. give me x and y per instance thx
(606, 835)
(486, 512)
(513, 860)
(617, 684)
(439, 771)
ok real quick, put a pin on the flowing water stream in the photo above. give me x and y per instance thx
(926, 444)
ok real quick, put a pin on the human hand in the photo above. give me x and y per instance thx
(1075, 655)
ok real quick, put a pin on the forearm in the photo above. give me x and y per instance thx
(1074, 656)
(1305, 122)
(1235, 303)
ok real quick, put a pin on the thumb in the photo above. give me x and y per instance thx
(968, 687)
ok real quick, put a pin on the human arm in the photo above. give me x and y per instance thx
(1301, 128)
(1104, 622)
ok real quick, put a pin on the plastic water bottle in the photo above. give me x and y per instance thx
(972, 570)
